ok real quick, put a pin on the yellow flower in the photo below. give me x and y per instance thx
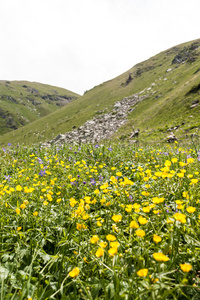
(99, 252)
(112, 251)
(99, 224)
(157, 200)
(174, 160)
(160, 256)
(74, 272)
(142, 272)
(186, 267)
(146, 209)
(167, 163)
(80, 226)
(35, 213)
(22, 206)
(45, 202)
(140, 232)
(19, 228)
(94, 239)
(180, 217)
(17, 211)
(18, 188)
(180, 175)
(119, 174)
(142, 220)
(190, 209)
(117, 218)
(193, 181)
(190, 160)
(157, 238)
(114, 244)
(103, 244)
(110, 237)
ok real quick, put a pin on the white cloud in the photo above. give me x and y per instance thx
(77, 44)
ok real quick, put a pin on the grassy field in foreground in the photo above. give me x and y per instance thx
(100, 222)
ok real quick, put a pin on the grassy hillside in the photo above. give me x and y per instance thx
(171, 82)
(22, 102)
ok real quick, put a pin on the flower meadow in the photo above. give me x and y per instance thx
(100, 222)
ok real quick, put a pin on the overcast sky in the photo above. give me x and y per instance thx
(77, 44)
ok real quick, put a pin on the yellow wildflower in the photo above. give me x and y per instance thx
(94, 239)
(180, 217)
(110, 237)
(186, 267)
(157, 238)
(134, 224)
(142, 272)
(74, 272)
(117, 218)
(140, 233)
(160, 256)
(142, 220)
(99, 252)
(190, 209)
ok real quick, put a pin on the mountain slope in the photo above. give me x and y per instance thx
(22, 102)
(169, 82)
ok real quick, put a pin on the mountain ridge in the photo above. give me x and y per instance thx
(169, 81)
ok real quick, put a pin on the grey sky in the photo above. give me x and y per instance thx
(77, 44)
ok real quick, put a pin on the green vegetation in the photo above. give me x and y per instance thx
(22, 102)
(100, 222)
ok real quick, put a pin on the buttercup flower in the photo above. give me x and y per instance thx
(74, 272)
(110, 237)
(99, 252)
(140, 232)
(134, 224)
(157, 238)
(117, 218)
(142, 272)
(186, 267)
(160, 257)
(94, 239)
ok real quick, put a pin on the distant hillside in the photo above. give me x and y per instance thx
(169, 83)
(22, 102)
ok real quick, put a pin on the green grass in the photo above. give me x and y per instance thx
(59, 206)
(22, 102)
(167, 104)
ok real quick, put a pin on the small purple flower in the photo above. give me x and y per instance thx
(7, 177)
(109, 149)
(9, 144)
(42, 173)
(92, 181)
(40, 161)
(96, 146)
(84, 182)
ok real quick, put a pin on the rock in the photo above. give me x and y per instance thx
(171, 138)
(194, 105)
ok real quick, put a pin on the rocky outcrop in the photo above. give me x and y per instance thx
(101, 127)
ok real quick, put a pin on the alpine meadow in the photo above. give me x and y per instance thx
(99, 193)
